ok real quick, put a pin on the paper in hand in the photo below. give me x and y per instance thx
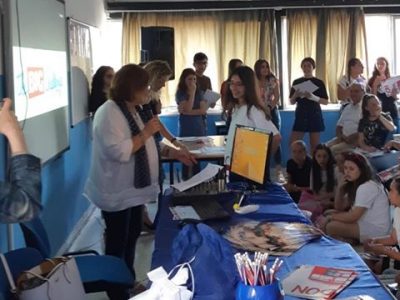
(306, 86)
(211, 97)
(390, 84)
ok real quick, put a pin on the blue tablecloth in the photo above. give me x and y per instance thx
(276, 205)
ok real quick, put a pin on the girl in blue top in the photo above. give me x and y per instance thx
(191, 106)
(192, 112)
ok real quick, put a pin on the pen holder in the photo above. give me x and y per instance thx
(271, 291)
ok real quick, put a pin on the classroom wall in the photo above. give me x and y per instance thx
(63, 178)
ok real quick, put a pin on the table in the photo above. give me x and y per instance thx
(205, 148)
(276, 205)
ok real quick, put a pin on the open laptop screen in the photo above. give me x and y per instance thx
(250, 154)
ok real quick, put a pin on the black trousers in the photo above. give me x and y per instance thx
(122, 231)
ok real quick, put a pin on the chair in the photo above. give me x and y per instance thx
(98, 272)
(18, 260)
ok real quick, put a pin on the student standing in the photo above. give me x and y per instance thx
(101, 83)
(354, 71)
(246, 108)
(200, 62)
(308, 115)
(269, 91)
(192, 112)
(380, 74)
(233, 64)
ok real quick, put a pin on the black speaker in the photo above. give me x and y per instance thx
(158, 43)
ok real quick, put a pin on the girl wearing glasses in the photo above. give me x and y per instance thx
(246, 108)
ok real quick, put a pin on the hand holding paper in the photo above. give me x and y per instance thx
(211, 97)
(306, 86)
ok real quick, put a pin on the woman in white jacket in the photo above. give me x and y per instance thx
(125, 166)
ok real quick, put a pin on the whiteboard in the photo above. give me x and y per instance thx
(37, 72)
(81, 63)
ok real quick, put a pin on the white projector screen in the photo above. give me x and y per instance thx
(37, 80)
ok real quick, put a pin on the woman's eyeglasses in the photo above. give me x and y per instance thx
(237, 84)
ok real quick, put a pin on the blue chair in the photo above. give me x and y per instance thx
(18, 260)
(98, 272)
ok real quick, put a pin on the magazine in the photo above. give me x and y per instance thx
(278, 238)
(317, 282)
(390, 173)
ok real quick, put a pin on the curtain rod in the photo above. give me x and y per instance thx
(247, 8)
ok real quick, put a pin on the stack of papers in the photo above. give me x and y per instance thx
(390, 84)
(209, 172)
(211, 97)
(317, 282)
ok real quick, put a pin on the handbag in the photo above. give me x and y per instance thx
(53, 279)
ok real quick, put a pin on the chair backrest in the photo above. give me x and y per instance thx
(35, 236)
(18, 261)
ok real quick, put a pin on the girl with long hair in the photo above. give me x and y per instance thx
(322, 183)
(374, 125)
(388, 98)
(246, 108)
(101, 83)
(369, 215)
(354, 71)
(269, 91)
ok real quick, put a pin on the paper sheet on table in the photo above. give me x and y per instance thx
(306, 86)
(391, 83)
(205, 175)
(211, 97)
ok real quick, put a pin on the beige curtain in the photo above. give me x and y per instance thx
(331, 36)
(302, 39)
(221, 35)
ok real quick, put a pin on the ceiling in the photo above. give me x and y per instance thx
(173, 5)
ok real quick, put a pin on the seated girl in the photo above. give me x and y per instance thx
(298, 170)
(322, 183)
(374, 125)
(383, 245)
(369, 215)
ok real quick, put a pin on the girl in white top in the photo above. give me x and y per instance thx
(246, 108)
(369, 215)
(382, 245)
(353, 74)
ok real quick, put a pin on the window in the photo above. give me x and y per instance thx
(107, 43)
(380, 41)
